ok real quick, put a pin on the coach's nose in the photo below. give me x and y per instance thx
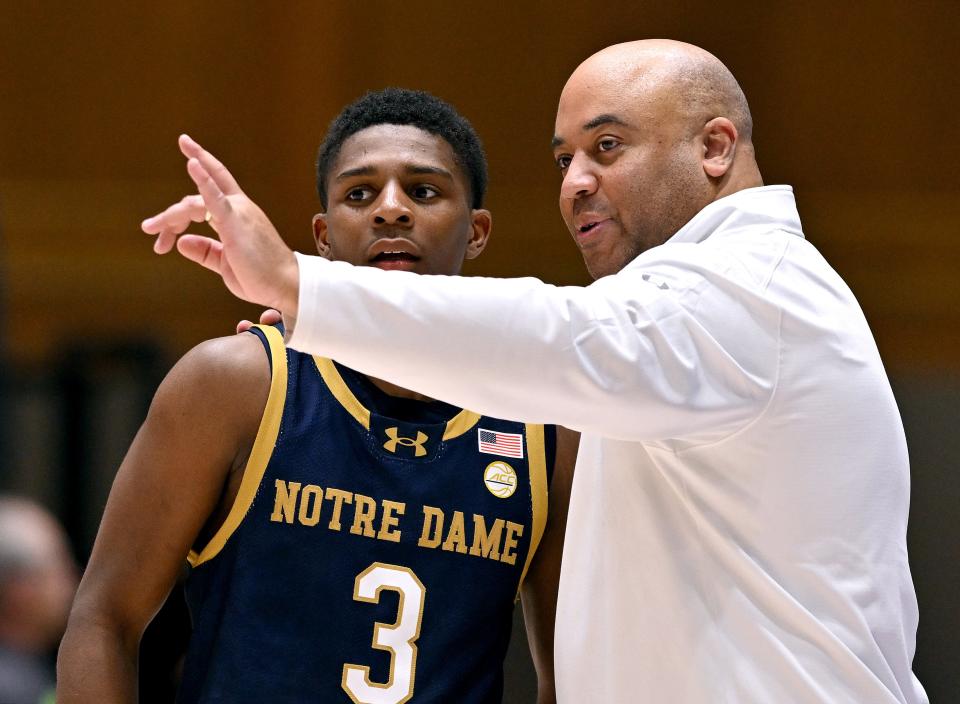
(580, 179)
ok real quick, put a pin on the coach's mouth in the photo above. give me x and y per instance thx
(589, 227)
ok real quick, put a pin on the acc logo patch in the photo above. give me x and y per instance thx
(500, 479)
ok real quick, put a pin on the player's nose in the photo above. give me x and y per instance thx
(392, 207)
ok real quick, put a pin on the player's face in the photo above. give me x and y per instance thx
(631, 174)
(397, 199)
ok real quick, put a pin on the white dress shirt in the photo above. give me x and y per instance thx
(737, 524)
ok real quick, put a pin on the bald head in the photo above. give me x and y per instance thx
(648, 133)
(37, 576)
(679, 79)
(28, 536)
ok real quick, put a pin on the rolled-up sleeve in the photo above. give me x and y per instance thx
(631, 356)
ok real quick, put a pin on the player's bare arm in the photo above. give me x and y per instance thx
(539, 592)
(172, 490)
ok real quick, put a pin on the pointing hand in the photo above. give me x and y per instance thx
(254, 262)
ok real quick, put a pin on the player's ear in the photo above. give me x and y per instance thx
(480, 223)
(320, 234)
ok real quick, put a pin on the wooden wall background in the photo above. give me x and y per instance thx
(855, 103)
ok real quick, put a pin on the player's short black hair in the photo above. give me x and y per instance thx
(399, 106)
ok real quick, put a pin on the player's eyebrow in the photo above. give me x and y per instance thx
(357, 171)
(602, 119)
(423, 169)
(417, 169)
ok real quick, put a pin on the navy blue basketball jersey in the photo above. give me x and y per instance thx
(373, 553)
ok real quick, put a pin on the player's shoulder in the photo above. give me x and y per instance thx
(234, 356)
(225, 372)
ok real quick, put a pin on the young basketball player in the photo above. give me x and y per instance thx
(349, 540)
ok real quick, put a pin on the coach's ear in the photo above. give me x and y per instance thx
(480, 224)
(320, 234)
(719, 137)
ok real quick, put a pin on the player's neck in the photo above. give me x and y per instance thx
(394, 390)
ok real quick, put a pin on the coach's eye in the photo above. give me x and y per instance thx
(607, 144)
(563, 162)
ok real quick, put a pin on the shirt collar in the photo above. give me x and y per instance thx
(770, 206)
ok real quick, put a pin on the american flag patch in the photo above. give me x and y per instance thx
(504, 444)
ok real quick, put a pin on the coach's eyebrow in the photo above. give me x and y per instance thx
(602, 119)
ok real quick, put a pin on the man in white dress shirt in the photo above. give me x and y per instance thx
(737, 525)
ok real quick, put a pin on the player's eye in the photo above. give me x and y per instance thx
(563, 161)
(424, 192)
(358, 194)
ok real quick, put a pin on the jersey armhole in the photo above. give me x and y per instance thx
(537, 464)
(262, 449)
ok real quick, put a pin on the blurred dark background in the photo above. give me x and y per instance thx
(855, 104)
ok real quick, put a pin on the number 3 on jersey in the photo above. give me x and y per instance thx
(397, 639)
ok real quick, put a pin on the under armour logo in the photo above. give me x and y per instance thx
(395, 439)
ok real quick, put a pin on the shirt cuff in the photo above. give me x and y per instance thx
(302, 332)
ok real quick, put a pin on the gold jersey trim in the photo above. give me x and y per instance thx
(537, 464)
(262, 450)
(460, 423)
(456, 426)
(338, 387)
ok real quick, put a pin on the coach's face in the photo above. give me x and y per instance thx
(397, 199)
(632, 173)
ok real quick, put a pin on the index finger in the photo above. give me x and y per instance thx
(213, 166)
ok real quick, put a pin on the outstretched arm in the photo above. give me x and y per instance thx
(678, 344)
(200, 426)
(539, 592)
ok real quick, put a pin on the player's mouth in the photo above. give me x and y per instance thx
(397, 254)
(394, 260)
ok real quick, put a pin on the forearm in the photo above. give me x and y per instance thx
(442, 335)
(539, 608)
(97, 663)
(631, 365)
